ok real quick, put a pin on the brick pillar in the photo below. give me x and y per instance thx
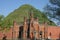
(36, 27)
(15, 30)
(31, 31)
(45, 30)
(31, 25)
(25, 28)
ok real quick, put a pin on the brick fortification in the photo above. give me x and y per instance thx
(31, 29)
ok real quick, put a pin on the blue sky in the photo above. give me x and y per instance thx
(7, 6)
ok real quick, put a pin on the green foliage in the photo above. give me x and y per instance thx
(19, 14)
(53, 10)
(1, 19)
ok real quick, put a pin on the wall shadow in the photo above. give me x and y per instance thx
(20, 32)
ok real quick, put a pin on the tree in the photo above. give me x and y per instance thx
(53, 10)
(1, 18)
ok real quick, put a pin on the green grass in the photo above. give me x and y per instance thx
(24, 10)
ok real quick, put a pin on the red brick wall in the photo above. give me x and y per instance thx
(50, 30)
(14, 29)
(54, 30)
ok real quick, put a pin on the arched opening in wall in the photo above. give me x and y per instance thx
(50, 34)
(4, 37)
(20, 32)
(28, 31)
(59, 36)
(41, 34)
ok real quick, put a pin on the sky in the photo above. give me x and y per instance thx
(7, 6)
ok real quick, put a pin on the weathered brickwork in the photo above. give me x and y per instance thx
(35, 30)
(25, 27)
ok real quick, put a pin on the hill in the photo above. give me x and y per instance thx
(19, 13)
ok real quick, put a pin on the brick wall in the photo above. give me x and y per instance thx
(52, 31)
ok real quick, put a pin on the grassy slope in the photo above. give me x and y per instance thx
(18, 15)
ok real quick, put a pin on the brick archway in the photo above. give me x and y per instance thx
(20, 32)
